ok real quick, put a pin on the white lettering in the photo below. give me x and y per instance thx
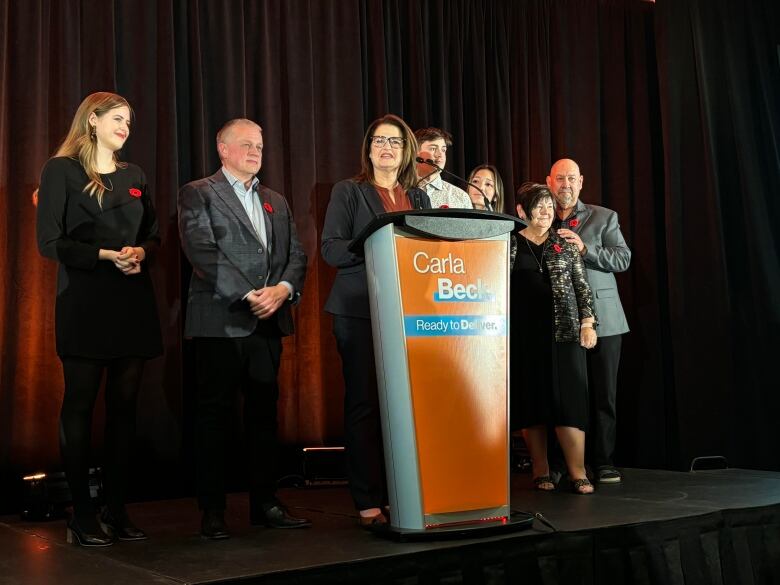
(447, 265)
(423, 325)
(416, 266)
(447, 291)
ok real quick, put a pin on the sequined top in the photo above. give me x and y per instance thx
(572, 297)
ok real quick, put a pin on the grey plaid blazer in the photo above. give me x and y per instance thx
(228, 260)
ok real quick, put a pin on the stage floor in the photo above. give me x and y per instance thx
(37, 553)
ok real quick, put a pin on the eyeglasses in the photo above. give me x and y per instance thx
(395, 142)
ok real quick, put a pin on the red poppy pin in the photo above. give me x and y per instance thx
(557, 248)
(267, 207)
(135, 192)
(445, 206)
(574, 223)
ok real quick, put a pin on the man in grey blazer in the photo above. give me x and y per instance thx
(248, 268)
(596, 233)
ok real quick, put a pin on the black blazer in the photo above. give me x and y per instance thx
(71, 229)
(353, 205)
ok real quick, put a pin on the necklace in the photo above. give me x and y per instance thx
(110, 183)
(538, 261)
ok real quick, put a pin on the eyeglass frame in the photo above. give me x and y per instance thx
(397, 145)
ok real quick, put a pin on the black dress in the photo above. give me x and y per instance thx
(101, 313)
(549, 384)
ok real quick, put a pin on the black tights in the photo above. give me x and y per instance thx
(82, 383)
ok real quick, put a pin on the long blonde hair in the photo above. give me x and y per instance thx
(81, 143)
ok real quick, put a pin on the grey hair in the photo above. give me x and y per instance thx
(234, 122)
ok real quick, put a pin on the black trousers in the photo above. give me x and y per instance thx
(603, 363)
(362, 427)
(82, 384)
(225, 366)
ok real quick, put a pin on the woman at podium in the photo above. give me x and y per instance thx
(552, 325)
(386, 183)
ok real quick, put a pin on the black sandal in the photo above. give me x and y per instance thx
(541, 480)
(578, 484)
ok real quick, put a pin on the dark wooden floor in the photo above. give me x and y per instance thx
(36, 553)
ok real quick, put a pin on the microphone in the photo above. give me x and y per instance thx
(427, 161)
(424, 161)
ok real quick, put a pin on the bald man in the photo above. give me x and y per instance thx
(596, 233)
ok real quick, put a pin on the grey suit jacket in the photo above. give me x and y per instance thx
(607, 253)
(228, 260)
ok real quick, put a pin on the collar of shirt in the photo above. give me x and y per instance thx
(238, 184)
(250, 203)
(579, 208)
(437, 183)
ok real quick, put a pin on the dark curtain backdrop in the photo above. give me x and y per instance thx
(719, 67)
(671, 109)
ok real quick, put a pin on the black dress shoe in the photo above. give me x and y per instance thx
(120, 526)
(91, 537)
(213, 525)
(278, 517)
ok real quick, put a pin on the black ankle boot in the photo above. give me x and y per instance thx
(213, 525)
(87, 535)
(120, 526)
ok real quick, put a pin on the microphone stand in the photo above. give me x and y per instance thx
(428, 161)
(433, 172)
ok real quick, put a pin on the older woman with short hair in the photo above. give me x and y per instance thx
(552, 324)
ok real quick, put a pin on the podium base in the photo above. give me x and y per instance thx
(517, 521)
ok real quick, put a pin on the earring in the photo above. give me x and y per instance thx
(92, 132)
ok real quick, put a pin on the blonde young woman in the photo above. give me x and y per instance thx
(95, 219)
(486, 178)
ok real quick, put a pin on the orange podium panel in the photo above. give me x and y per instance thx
(439, 298)
(454, 298)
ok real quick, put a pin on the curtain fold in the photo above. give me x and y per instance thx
(719, 92)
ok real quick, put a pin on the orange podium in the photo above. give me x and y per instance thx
(439, 290)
